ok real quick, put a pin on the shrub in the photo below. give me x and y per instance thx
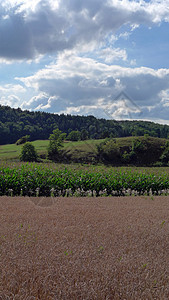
(126, 157)
(109, 151)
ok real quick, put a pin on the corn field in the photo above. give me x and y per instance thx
(39, 180)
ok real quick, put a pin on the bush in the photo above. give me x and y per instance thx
(126, 157)
(139, 151)
(109, 151)
(28, 153)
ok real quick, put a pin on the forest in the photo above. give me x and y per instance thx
(15, 123)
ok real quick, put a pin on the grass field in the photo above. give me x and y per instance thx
(76, 149)
(81, 150)
(104, 248)
(12, 151)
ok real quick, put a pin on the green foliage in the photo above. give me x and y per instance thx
(109, 151)
(23, 140)
(138, 145)
(138, 150)
(55, 143)
(74, 135)
(126, 157)
(39, 125)
(28, 153)
(84, 135)
(131, 150)
(165, 155)
(39, 180)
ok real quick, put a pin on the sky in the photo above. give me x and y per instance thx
(105, 58)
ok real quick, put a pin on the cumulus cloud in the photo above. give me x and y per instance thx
(11, 94)
(83, 77)
(85, 86)
(10, 100)
(32, 28)
(12, 88)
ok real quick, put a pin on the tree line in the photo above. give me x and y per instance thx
(15, 123)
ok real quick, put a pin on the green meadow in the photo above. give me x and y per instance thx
(76, 149)
(12, 151)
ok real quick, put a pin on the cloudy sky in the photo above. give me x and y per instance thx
(105, 58)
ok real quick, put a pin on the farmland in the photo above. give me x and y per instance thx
(33, 179)
(76, 248)
(54, 179)
(82, 231)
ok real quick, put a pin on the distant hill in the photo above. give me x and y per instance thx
(15, 123)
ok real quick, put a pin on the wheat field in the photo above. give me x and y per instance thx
(84, 248)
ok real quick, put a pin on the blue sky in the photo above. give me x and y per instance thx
(103, 58)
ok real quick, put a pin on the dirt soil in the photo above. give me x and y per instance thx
(84, 248)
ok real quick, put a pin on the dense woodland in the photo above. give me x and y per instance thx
(15, 123)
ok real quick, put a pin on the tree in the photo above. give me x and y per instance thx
(84, 135)
(23, 140)
(105, 134)
(55, 143)
(74, 135)
(28, 153)
(164, 158)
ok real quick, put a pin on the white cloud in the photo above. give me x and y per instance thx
(134, 26)
(80, 36)
(10, 100)
(11, 94)
(125, 35)
(110, 55)
(12, 88)
(76, 84)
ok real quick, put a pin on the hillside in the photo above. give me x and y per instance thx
(128, 151)
(15, 123)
